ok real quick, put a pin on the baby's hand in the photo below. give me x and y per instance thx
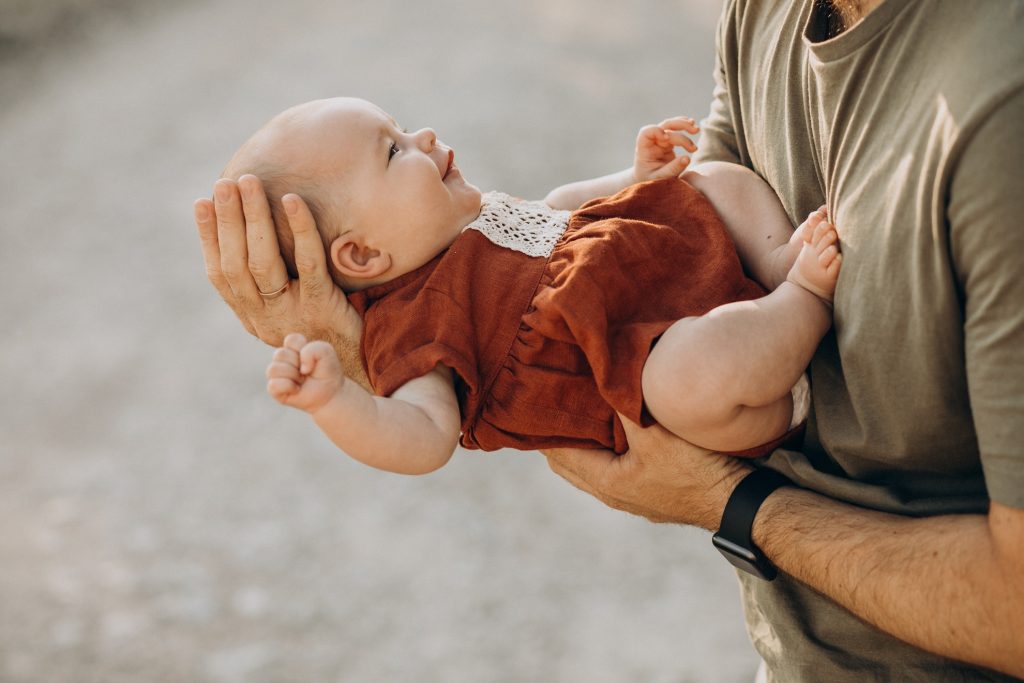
(304, 375)
(655, 149)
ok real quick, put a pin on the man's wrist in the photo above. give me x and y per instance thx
(735, 535)
(723, 491)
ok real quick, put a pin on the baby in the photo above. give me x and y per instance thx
(522, 324)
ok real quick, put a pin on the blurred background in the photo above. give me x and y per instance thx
(162, 519)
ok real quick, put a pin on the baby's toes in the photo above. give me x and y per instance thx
(820, 231)
(809, 226)
(825, 238)
(832, 269)
(827, 256)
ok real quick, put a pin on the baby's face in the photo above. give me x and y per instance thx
(403, 192)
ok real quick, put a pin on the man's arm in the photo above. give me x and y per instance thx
(953, 584)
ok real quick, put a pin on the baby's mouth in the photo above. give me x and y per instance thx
(451, 163)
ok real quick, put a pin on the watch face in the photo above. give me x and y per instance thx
(744, 558)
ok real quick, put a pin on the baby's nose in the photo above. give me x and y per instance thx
(426, 138)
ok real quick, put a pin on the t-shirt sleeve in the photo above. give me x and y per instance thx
(718, 135)
(986, 218)
(406, 338)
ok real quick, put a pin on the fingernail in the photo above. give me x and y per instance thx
(202, 213)
(291, 207)
(220, 190)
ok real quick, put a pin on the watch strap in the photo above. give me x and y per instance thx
(734, 534)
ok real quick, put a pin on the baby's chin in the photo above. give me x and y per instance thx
(474, 202)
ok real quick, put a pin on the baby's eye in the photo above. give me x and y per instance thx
(392, 150)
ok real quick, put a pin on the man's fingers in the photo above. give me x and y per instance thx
(654, 439)
(310, 259)
(264, 255)
(556, 462)
(597, 473)
(230, 224)
(206, 223)
(585, 469)
(234, 252)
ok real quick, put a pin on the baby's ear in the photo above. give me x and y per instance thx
(356, 260)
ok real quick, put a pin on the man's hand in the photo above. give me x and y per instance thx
(661, 477)
(242, 259)
(655, 149)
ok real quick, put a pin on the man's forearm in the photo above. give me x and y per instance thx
(951, 585)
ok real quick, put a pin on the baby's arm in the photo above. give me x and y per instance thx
(414, 431)
(655, 158)
(753, 216)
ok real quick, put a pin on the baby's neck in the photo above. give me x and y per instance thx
(354, 284)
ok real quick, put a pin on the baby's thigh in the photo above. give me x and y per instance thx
(681, 388)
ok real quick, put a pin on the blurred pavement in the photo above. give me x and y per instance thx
(161, 519)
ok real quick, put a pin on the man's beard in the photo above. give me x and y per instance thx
(850, 11)
(841, 14)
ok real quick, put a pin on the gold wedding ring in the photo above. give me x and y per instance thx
(267, 296)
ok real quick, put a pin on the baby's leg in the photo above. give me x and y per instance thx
(723, 380)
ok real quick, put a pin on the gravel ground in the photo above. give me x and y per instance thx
(162, 519)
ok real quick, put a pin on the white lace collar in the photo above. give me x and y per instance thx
(531, 228)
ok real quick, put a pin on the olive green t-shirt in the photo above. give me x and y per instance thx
(910, 127)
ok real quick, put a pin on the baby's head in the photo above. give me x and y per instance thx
(385, 200)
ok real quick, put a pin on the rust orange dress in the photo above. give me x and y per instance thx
(547, 343)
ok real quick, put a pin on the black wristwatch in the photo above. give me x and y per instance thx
(733, 537)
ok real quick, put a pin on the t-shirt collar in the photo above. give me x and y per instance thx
(877, 22)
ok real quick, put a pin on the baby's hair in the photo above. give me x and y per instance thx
(276, 184)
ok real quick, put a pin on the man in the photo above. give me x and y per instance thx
(907, 118)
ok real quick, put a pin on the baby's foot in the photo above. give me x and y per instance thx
(817, 265)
